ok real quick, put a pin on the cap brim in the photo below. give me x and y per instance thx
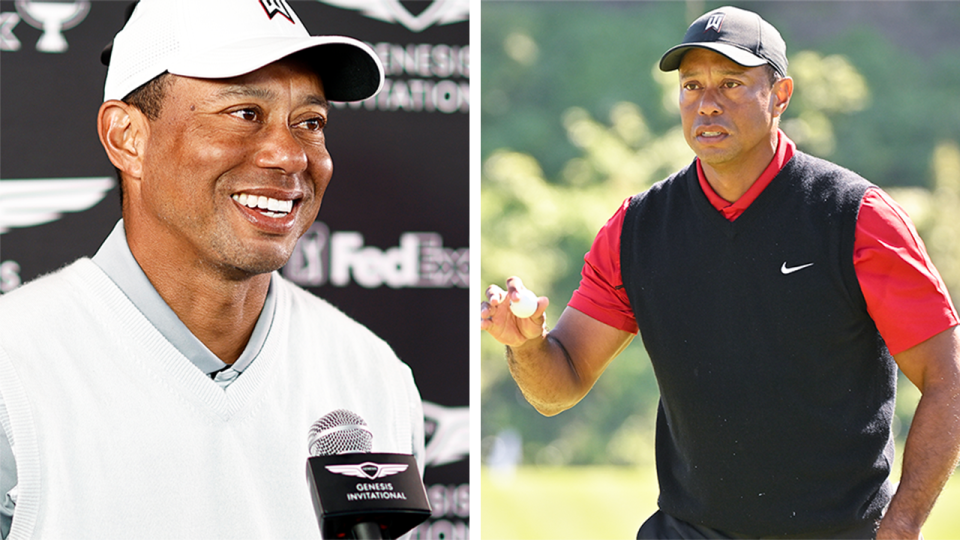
(349, 69)
(671, 59)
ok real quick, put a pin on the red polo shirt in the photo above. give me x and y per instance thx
(905, 295)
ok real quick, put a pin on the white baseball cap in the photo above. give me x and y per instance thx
(213, 39)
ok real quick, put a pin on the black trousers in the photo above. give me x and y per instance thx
(662, 526)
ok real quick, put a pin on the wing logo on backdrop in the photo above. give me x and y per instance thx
(392, 11)
(27, 203)
(50, 17)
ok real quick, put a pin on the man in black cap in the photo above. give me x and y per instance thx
(776, 294)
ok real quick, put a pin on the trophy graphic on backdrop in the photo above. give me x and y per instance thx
(53, 18)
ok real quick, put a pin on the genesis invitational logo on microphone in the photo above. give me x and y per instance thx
(368, 470)
(340, 444)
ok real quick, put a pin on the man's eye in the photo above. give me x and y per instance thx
(314, 124)
(246, 114)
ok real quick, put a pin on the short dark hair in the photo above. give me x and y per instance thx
(773, 74)
(148, 97)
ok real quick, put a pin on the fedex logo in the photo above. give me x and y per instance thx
(419, 261)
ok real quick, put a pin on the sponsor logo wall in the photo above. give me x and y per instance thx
(389, 247)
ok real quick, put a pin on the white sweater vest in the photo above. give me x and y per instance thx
(117, 435)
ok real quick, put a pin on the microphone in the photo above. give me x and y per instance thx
(339, 432)
(358, 494)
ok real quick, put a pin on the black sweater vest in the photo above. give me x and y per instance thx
(777, 392)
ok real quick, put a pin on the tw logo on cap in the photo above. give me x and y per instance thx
(714, 22)
(272, 7)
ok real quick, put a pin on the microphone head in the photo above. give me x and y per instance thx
(339, 432)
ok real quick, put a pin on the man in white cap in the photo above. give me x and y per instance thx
(165, 387)
(776, 294)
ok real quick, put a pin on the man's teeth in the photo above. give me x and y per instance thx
(269, 207)
(710, 134)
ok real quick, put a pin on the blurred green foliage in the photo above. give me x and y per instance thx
(604, 502)
(575, 118)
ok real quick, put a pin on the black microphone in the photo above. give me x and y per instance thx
(358, 494)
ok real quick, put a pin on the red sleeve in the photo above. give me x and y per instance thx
(601, 294)
(905, 294)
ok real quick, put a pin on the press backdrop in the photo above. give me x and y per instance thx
(389, 247)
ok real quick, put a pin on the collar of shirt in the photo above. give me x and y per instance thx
(116, 260)
(732, 210)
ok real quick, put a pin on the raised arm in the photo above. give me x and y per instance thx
(553, 368)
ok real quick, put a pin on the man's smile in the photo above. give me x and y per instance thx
(268, 206)
(271, 211)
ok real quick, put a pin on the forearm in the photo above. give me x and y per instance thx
(554, 369)
(546, 375)
(930, 456)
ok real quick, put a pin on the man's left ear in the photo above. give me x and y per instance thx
(782, 92)
(123, 128)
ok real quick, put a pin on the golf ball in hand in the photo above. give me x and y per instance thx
(526, 306)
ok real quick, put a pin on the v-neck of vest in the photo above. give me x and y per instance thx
(755, 211)
(165, 365)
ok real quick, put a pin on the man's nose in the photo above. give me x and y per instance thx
(280, 149)
(709, 104)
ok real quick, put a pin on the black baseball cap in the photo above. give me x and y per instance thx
(740, 35)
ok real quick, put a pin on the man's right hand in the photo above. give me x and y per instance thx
(500, 322)
(554, 369)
